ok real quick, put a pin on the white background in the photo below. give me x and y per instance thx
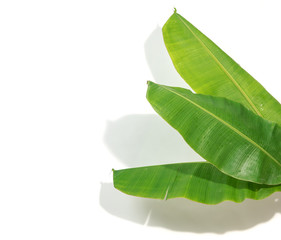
(72, 107)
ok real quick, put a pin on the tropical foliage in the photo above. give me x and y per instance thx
(232, 122)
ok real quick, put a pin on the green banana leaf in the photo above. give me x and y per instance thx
(234, 139)
(209, 70)
(198, 181)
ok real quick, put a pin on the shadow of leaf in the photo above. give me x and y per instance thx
(146, 139)
(159, 61)
(187, 216)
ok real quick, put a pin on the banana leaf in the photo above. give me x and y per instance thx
(225, 133)
(209, 70)
(198, 181)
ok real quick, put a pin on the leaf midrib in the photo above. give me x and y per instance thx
(223, 68)
(226, 124)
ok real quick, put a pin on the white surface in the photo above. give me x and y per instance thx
(72, 107)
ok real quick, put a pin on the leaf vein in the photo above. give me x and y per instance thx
(224, 69)
(226, 124)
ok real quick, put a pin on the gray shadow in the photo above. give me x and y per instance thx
(184, 215)
(139, 140)
(146, 139)
(127, 207)
(159, 61)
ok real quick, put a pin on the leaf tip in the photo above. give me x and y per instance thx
(175, 10)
